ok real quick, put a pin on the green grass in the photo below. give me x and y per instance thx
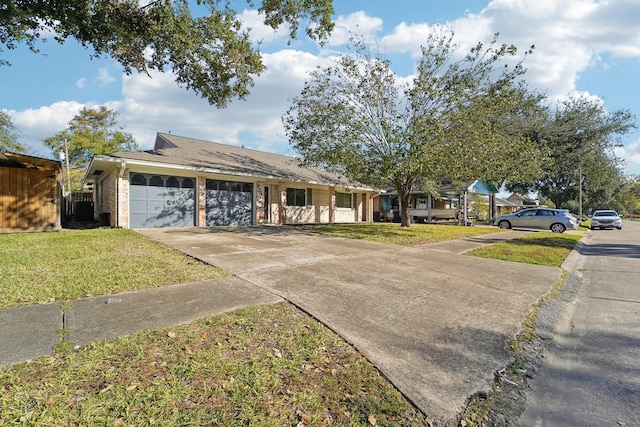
(263, 366)
(45, 267)
(542, 248)
(391, 233)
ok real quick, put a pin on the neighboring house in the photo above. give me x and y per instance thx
(387, 207)
(521, 201)
(30, 193)
(505, 206)
(424, 207)
(186, 182)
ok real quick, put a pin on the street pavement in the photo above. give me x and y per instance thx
(591, 373)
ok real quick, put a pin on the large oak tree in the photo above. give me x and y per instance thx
(202, 42)
(581, 136)
(459, 120)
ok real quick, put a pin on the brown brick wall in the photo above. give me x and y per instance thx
(106, 200)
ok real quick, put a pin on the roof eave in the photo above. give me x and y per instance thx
(99, 160)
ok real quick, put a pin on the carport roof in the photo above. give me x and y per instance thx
(174, 151)
(18, 160)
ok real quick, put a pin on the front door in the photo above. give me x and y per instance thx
(267, 205)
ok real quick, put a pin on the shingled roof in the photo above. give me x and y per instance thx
(194, 154)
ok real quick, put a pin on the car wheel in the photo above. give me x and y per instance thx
(558, 228)
(504, 224)
(619, 228)
(592, 227)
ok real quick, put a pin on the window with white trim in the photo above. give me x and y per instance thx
(343, 200)
(299, 197)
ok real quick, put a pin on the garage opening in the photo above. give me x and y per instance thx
(161, 201)
(229, 203)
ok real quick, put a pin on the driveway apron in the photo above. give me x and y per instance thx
(435, 322)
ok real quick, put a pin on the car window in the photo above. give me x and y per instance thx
(528, 213)
(543, 212)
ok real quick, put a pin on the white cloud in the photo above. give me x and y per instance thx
(34, 125)
(104, 77)
(569, 36)
(259, 32)
(80, 83)
(358, 23)
(471, 29)
(631, 154)
(407, 38)
(255, 122)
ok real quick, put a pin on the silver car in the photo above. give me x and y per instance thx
(556, 220)
(606, 219)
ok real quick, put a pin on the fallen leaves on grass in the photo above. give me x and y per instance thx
(259, 366)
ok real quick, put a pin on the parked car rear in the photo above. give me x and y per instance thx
(556, 220)
(606, 218)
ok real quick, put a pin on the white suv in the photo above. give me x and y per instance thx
(606, 219)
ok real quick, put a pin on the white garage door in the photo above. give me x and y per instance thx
(161, 201)
(229, 203)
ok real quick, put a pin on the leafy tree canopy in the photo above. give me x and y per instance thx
(459, 120)
(581, 135)
(9, 135)
(210, 54)
(90, 132)
(627, 201)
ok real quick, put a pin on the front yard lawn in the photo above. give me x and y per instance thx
(392, 233)
(57, 266)
(541, 248)
(262, 366)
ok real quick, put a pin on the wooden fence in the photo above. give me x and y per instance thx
(29, 199)
(78, 207)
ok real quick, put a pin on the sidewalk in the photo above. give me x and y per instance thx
(33, 331)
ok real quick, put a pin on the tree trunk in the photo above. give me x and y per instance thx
(405, 200)
(404, 187)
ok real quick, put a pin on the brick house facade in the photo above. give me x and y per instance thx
(186, 182)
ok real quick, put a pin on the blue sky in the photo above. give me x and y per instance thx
(589, 46)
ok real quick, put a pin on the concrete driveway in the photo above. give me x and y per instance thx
(435, 322)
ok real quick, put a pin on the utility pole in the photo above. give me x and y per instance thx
(66, 158)
(579, 195)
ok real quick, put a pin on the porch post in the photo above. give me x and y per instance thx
(464, 215)
(282, 201)
(332, 205)
(201, 201)
(260, 202)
